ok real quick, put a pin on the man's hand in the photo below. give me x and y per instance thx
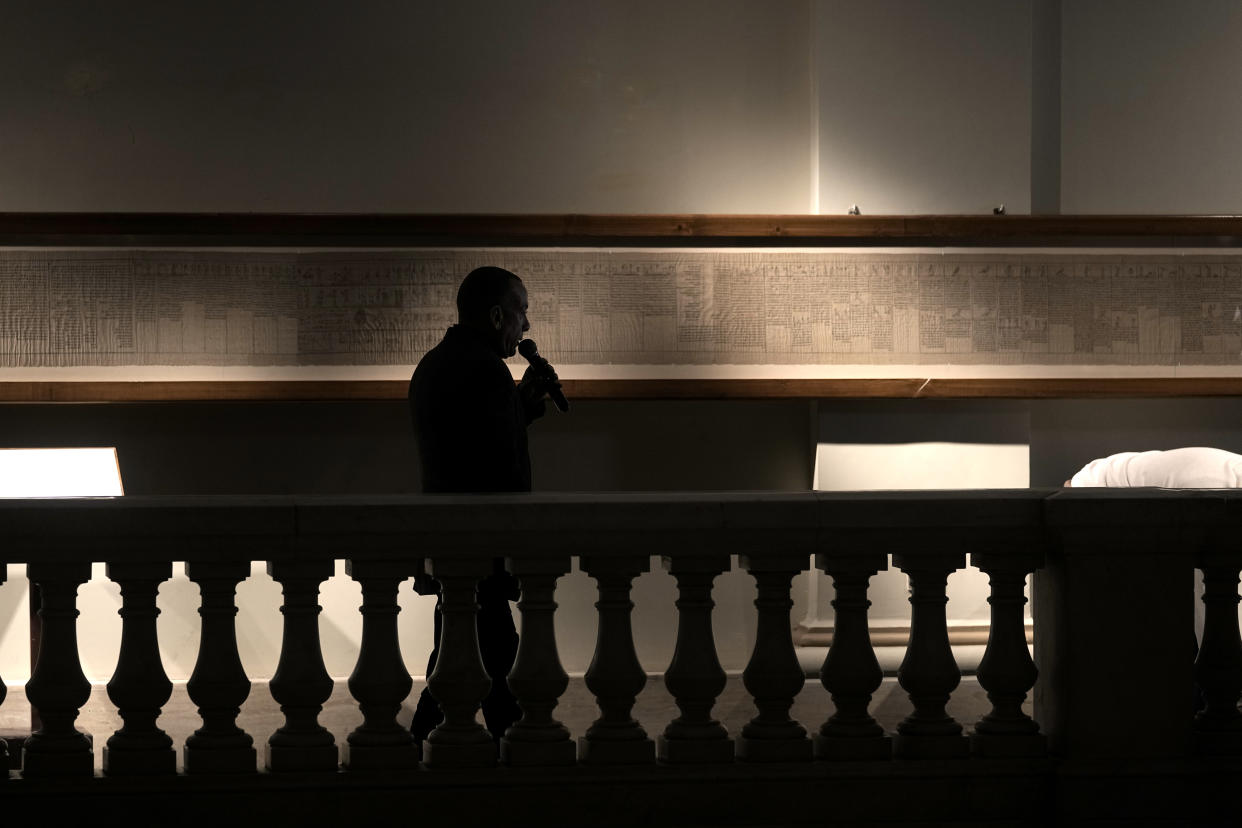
(534, 389)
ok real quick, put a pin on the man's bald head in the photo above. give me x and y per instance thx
(492, 301)
(481, 290)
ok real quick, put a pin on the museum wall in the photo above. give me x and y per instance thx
(702, 106)
(923, 107)
(1150, 121)
(623, 106)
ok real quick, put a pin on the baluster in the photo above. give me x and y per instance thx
(380, 681)
(219, 684)
(773, 676)
(1006, 671)
(928, 673)
(5, 760)
(301, 684)
(615, 676)
(1218, 668)
(459, 682)
(58, 688)
(537, 678)
(139, 688)
(851, 672)
(695, 677)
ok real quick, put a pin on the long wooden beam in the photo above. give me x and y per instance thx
(278, 229)
(699, 389)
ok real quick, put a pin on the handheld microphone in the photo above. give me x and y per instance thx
(530, 351)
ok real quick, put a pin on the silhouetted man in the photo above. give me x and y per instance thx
(470, 424)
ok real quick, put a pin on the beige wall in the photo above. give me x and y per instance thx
(619, 106)
(549, 106)
(923, 107)
(1150, 113)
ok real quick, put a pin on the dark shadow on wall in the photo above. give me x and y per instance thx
(233, 448)
(1067, 434)
(368, 447)
(655, 445)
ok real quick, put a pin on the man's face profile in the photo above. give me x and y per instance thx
(509, 318)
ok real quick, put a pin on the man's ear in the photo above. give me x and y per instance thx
(497, 316)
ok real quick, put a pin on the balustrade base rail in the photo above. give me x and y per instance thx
(1041, 791)
(1017, 792)
(1115, 733)
(915, 792)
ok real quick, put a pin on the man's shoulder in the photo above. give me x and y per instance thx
(457, 360)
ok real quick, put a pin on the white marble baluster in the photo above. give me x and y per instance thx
(773, 676)
(851, 672)
(219, 684)
(928, 673)
(5, 760)
(537, 678)
(695, 677)
(139, 688)
(380, 681)
(615, 676)
(459, 682)
(1218, 668)
(301, 684)
(1007, 671)
(58, 688)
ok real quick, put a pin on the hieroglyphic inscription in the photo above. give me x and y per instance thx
(653, 307)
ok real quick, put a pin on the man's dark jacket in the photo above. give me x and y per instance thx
(470, 426)
(469, 421)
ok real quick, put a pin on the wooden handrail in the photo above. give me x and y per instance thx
(440, 229)
(296, 527)
(659, 389)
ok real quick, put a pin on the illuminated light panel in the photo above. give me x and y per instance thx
(931, 465)
(60, 472)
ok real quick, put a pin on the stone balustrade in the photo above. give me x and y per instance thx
(1114, 689)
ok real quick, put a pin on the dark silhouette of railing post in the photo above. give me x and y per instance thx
(459, 682)
(301, 684)
(851, 672)
(380, 681)
(1006, 671)
(139, 687)
(1115, 626)
(58, 688)
(5, 760)
(929, 673)
(1218, 668)
(773, 676)
(695, 677)
(219, 684)
(615, 676)
(537, 679)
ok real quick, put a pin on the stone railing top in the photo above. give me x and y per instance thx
(656, 523)
(1067, 507)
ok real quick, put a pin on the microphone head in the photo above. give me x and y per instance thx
(528, 349)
